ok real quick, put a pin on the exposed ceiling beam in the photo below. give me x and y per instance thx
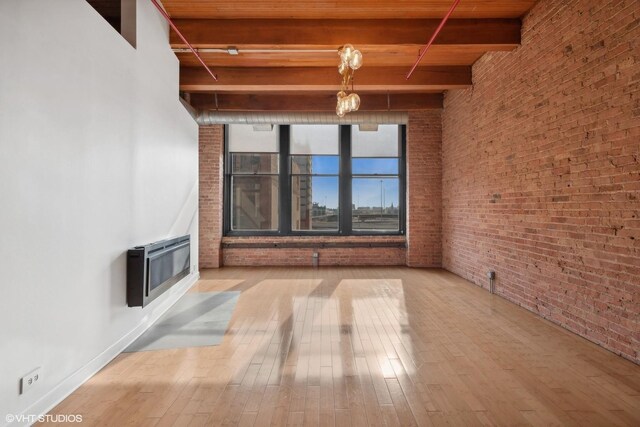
(300, 79)
(352, 9)
(313, 102)
(332, 33)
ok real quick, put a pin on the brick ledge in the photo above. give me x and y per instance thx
(314, 242)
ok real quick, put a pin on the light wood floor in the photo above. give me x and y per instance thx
(366, 346)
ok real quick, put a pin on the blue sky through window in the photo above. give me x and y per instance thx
(325, 164)
(379, 166)
(366, 192)
(325, 191)
(375, 192)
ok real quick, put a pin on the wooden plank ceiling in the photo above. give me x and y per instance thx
(287, 50)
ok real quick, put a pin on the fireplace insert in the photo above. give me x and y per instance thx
(152, 269)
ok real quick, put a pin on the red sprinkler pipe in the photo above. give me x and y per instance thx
(162, 11)
(433, 37)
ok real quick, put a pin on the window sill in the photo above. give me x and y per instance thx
(319, 242)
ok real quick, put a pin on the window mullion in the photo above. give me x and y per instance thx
(344, 181)
(402, 169)
(285, 181)
(226, 200)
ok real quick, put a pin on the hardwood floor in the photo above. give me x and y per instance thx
(366, 346)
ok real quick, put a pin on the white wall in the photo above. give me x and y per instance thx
(96, 155)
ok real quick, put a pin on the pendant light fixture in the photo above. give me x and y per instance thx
(350, 61)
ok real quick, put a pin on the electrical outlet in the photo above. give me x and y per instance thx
(30, 380)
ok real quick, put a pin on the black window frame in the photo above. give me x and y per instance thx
(345, 179)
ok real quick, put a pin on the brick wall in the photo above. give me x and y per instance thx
(424, 189)
(541, 164)
(211, 154)
(303, 256)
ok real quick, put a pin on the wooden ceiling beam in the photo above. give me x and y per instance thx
(313, 102)
(332, 33)
(327, 79)
(352, 9)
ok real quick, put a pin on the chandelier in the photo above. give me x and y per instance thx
(350, 61)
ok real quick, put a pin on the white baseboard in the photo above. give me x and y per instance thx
(79, 377)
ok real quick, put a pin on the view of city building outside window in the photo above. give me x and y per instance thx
(376, 181)
(254, 178)
(315, 165)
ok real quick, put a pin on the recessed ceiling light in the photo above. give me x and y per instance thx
(232, 50)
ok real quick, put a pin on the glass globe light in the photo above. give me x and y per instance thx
(349, 102)
(343, 105)
(354, 101)
(350, 60)
(356, 60)
(343, 67)
(347, 105)
(346, 52)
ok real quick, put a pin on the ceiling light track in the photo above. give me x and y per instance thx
(168, 19)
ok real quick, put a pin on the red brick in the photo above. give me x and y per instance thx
(541, 165)
(211, 153)
(424, 189)
(303, 256)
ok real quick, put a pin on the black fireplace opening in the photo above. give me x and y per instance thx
(153, 268)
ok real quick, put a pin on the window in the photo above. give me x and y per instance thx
(314, 180)
(375, 168)
(254, 179)
(314, 177)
